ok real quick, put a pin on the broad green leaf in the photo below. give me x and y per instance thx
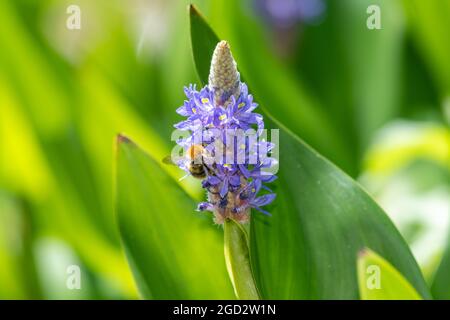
(46, 163)
(430, 22)
(173, 253)
(237, 258)
(320, 220)
(374, 61)
(422, 140)
(22, 59)
(379, 280)
(273, 87)
(205, 41)
(440, 287)
(14, 284)
(28, 173)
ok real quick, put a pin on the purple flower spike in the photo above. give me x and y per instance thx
(286, 13)
(224, 162)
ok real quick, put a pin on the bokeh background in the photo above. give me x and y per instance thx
(375, 102)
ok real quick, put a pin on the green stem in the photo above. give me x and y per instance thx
(237, 259)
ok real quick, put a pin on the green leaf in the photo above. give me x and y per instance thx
(272, 86)
(440, 287)
(238, 261)
(173, 253)
(374, 61)
(45, 166)
(205, 41)
(379, 280)
(321, 219)
(430, 22)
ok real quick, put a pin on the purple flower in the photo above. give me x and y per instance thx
(235, 168)
(286, 13)
(249, 199)
(228, 175)
(205, 206)
(199, 109)
(239, 112)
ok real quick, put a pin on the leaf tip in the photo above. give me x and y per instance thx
(363, 252)
(193, 10)
(121, 138)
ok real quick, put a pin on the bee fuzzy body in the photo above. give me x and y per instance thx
(197, 170)
(194, 161)
(195, 156)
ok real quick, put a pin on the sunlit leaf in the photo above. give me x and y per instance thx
(174, 253)
(440, 287)
(320, 220)
(373, 58)
(430, 22)
(22, 59)
(273, 87)
(379, 280)
(237, 258)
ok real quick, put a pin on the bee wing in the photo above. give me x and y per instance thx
(208, 159)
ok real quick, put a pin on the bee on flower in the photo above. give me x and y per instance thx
(224, 147)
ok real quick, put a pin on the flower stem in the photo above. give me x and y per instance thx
(237, 259)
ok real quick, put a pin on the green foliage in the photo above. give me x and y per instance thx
(66, 94)
(237, 257)
(429, 20)
(379, 280)
(321, 219)
(440, 287)
(206, 41)
(273, 85)
(173, 253)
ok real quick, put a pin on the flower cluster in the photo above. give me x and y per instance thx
(225, 146)
(287, 13)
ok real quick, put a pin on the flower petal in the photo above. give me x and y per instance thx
(263, 200)
(213, 180)
(183, 125)
(224, 188)
(262, 211)
(235, 180)
(205, 206)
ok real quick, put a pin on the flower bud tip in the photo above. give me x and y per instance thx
(224, 77)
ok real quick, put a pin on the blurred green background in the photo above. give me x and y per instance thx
(375, 102)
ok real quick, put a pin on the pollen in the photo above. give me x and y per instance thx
(205, 100)
(222, 117)
(194, 110)
(242, 146)
(240, 105)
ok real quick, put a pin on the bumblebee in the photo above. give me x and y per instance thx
(195, 161)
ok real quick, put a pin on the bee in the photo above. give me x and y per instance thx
(194, 161)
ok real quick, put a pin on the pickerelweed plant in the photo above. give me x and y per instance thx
(324, 225)
(227, 148)
(227, 145)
